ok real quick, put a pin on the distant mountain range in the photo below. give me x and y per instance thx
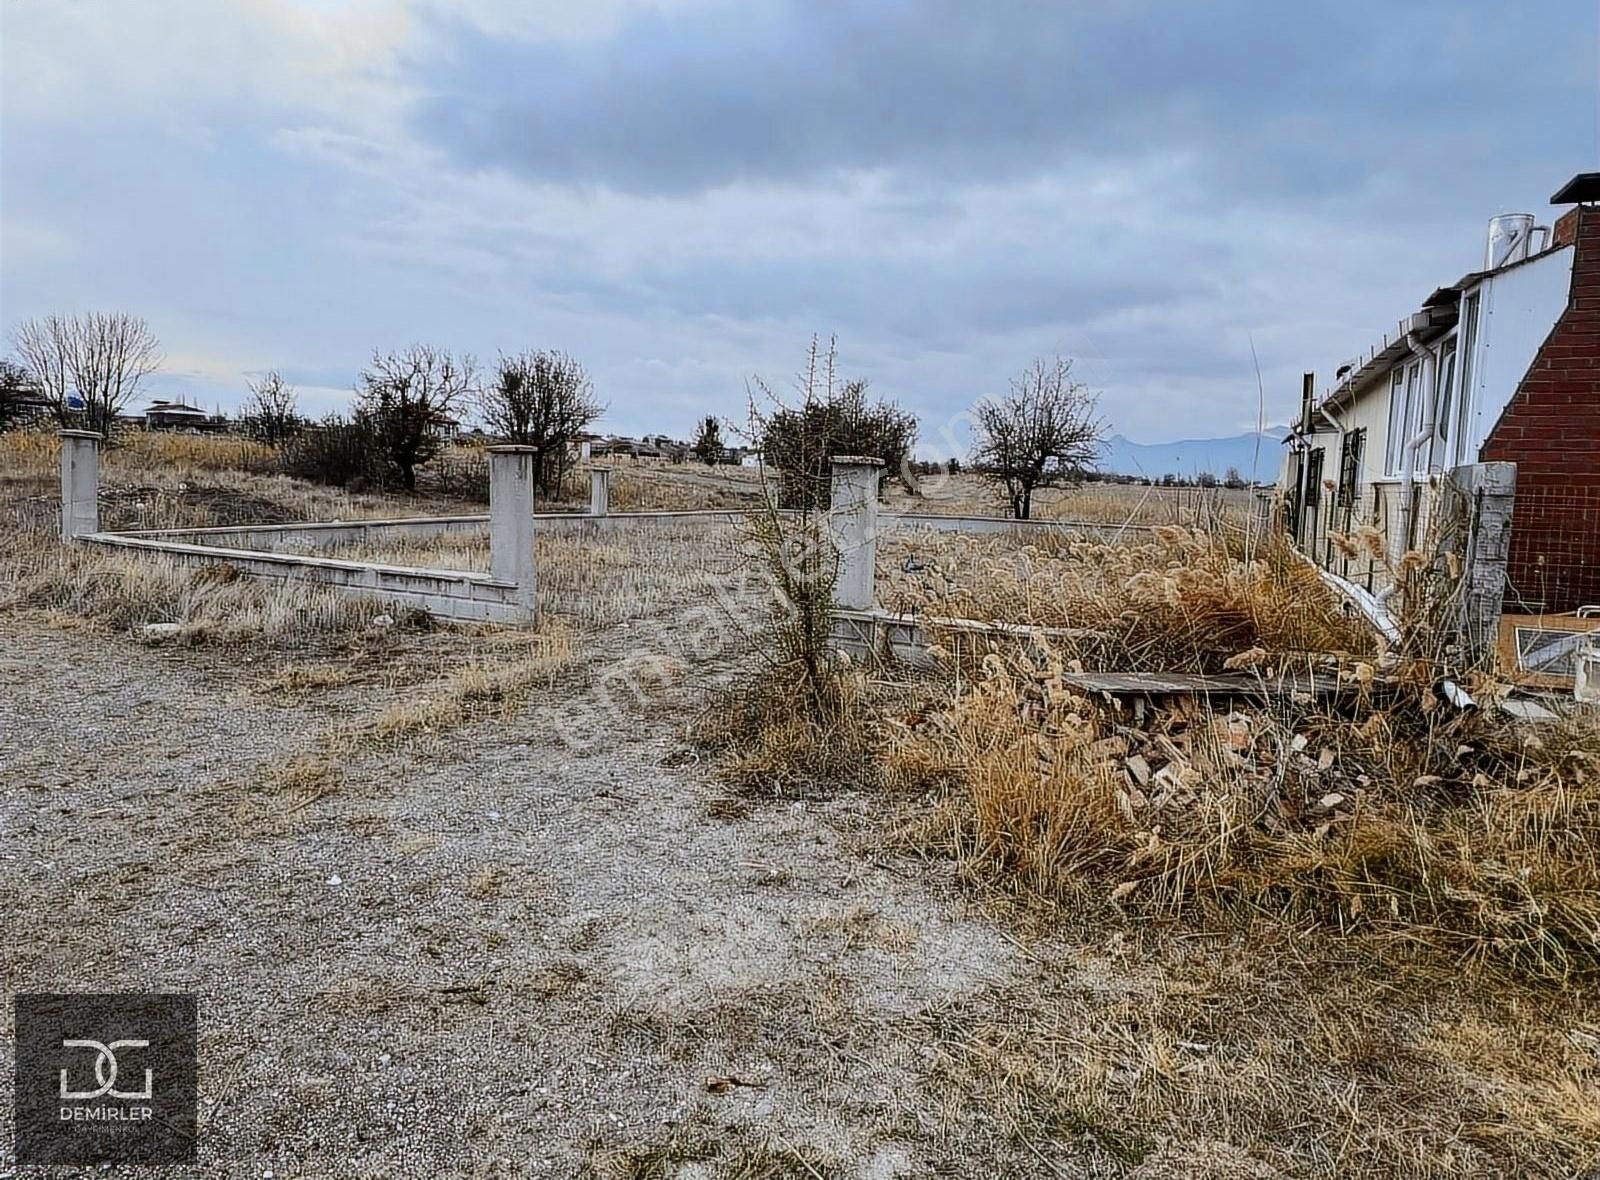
(1192, 456)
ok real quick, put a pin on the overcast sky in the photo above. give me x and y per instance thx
(680, 192)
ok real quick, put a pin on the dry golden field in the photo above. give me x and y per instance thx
(610, 897)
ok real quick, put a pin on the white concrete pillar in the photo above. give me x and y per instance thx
(511, 479)
(853, 524)
(80, 483)
(599, 491)
(585, 450)
(1485, 494)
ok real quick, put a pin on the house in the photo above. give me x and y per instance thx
(1502, 365)
(619, 445)
(176, 416)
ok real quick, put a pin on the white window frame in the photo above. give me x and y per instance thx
(1445, 367)
(1466, 368)
(1397, 422)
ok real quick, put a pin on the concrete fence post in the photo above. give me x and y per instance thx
(599, 491)
(853, 526)
(80, 483)
(511, 479)
(1485, 494)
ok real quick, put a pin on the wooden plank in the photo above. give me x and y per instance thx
(1176, 684)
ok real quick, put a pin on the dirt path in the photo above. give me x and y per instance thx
(491, 955)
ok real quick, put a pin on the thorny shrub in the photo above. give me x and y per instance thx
(798, 720)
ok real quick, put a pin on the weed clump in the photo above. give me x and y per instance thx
(798, 720)
(1179, 600)
(1396, 814)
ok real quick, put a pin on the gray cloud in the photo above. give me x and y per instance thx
(683, 196)
(1313, 99)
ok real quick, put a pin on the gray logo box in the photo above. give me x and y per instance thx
(105, 1078)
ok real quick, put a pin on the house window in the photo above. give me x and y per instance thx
(1469, 345)
(1314, 479)
(1350, 470)
(1397, 423)
(1447, 375)
(1406, 411)
(1416, 410)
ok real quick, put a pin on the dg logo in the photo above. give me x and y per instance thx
(105, 1071)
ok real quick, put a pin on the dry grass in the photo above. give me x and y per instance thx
(1179, 600)
(295, 679)
(797, 720)
(476, 690)
(1216, 1058)
(1283, 982)
(1090, 503)
(676, 487)
(596, 577)
(158, 480)
(37, 453)
(124, 592)
(1404, 819)
(696, 1149)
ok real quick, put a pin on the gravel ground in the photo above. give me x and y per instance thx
(501, 952)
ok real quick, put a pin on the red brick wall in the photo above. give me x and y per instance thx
(1551, 431)
(1566, 227)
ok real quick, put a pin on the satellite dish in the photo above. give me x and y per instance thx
(74, 402)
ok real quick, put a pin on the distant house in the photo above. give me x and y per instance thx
(177, 416)
(619, 446)
(1501, 365)
(31, 406)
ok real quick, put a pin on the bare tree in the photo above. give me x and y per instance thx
(542, 400)
(410, 398)
(270, 413)
(18, 394)
(1041, 433)
(88, 366)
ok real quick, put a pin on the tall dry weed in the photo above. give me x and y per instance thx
(1180, 600)
(1400, 816)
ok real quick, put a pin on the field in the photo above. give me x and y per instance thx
(482, 902)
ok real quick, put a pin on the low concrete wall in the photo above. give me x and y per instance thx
(890, 522)
(449, 594)
(311, 536)
(880, 634)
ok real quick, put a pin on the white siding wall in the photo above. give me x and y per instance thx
(1517, 309)
(1520, 306)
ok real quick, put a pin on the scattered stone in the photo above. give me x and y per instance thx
(724, 1083)
(160, 632)
(381, 621)
(1524, 710)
